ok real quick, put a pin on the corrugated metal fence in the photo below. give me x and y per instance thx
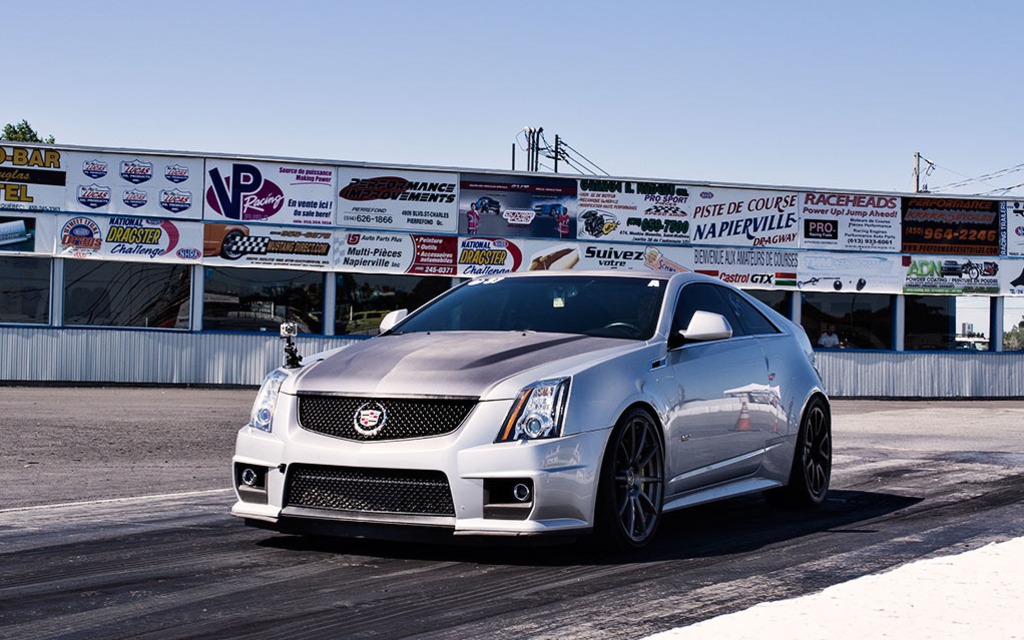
(31, 354)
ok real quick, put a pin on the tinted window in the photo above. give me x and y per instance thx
(364, 299)
(703, 297)
(24, 290)
(126, 294)
(239, 299)
(753, 320)
(613, 307)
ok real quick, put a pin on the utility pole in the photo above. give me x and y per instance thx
(917, 172)
(558, 143)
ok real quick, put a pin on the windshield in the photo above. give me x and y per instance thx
(613, 307)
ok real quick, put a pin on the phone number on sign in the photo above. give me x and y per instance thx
(964, 235)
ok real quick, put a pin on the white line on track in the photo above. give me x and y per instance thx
(90, 503)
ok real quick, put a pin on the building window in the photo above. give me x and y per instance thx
(848, 320)
(364, 299)
(126, 294)
(240, 299)
(1013, 324)
(25, 290)
(943, 323)
(780, 301)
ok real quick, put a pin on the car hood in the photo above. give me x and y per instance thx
(452, 364)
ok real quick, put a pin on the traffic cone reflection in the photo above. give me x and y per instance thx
(743, 424)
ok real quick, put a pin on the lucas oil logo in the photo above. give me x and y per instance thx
(95, 169)
(135, 198)
(93, 196)
(136, 171)
(176, 173)
(244, 195)
(175, 200)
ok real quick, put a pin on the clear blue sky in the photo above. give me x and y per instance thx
(804, 93)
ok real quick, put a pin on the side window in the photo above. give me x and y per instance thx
(754, 322)
(703, 297)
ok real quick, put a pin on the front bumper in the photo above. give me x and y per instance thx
(561, 472)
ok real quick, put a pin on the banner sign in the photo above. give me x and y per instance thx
(627, 211)
(489, 256)
(850, 273)
(137, 185)
(744, 217)
(263, 246)
(129, 238)
(951, 276)
(31, 179)
(749, 268)
(530, 206)
(267, 192)
(27, 233)
(554, 257)
(852, 222)
(1011, 223)
(372, 252)
(416, 201)
(951, 226)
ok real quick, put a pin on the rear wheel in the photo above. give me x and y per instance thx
(812, 461)
(632, 483)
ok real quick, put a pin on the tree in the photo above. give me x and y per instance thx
(23, 132)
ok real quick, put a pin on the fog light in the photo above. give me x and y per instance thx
(521, 492)
(249, 477)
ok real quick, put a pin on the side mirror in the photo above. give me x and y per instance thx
(704, 326)
(392, 319)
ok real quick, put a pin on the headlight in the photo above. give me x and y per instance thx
(266, 401)
(537, 412)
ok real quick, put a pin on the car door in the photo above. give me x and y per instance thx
(714, 430)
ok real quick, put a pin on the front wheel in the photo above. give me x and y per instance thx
(632, 483)
(811, 472)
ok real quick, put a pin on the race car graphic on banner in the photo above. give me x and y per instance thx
(372, 252)
(630, 211)
(266, 192)
(137, 185)
(533, 206)
(130, 239)
(31, 179)
(417, 201)
(856, 222)
(263, 246)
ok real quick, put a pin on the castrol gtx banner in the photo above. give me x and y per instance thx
(746, 218)
(134, 185)
(258, 192)
(630, 211)
(850, 222)
(129, 238)
(416, 201)
(748, 268)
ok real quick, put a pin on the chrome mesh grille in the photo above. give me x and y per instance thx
(336, 416)
(399, 491)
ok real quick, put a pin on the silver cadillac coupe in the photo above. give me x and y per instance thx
(543, 403)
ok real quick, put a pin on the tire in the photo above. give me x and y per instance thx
(632, 484)
(227, 250)
(811, 472)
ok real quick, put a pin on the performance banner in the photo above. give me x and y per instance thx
(518, 206)
(749, 268)
(851, 222)
(129, 238)
(627, 211)
(31, 179)
(136, 185)
(373, 252)
(27, 233)
(951, 226)
(416, 201)
(744, 217)
(850, 273)
(952, 276)
(266, 192)
(238, 245)
(1011, 223)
